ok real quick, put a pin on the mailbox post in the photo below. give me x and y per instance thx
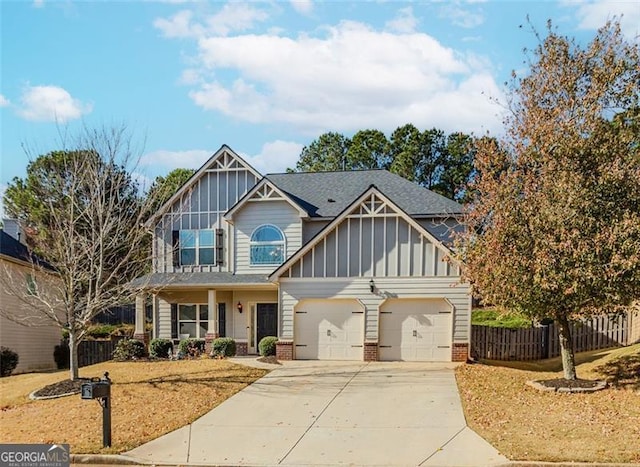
(100, 389)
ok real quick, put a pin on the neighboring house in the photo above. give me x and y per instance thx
(337, 265)
(26, 333)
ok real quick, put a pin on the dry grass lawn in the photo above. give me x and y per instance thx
(149, 399)
(526, 424)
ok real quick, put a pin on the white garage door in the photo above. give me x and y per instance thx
(329, 330)
(415, 330)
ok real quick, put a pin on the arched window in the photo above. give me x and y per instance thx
(267, 246)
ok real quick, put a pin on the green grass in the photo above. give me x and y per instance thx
(494, 318)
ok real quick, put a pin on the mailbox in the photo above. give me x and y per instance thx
(95, 390)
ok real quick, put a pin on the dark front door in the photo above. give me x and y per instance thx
(267, 317)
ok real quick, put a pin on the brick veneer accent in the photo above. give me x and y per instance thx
(144, 337)
(284, 350)
(460, 352)
(242, 349)
(370, 351)
(208, 339)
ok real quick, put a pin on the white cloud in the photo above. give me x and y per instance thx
(404, 22)
(190, 159)
(302, 6)
(50, 104)
(232, 17)
(462, 16)
(38, 3)
(594, 14)
(275, 157)
(4, 102)
(350, 78)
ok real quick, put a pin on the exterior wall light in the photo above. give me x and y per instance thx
(239, 307)
(372, 286)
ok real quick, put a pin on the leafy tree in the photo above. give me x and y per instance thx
(369, 149)
(554, 225)
(405, 150)
(327, 153)
(164, 188)
(457, 167)
(85, 215)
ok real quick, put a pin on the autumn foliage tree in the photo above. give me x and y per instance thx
(554, 225)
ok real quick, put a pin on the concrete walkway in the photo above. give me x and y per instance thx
(328, 413)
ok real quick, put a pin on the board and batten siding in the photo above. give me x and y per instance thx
(384, 246)
(457, 294)
(253, 215)
(219, 187)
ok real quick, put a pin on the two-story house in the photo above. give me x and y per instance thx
(337, 265)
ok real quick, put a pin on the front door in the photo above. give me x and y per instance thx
(266, 320)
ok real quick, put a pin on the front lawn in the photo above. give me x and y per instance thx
(491, 317)
(149, 399)
(526, 424)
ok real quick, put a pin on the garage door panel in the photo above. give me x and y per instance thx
(415, 330)
(329, 330)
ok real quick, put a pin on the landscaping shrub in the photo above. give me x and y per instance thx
(267, 346)
(160, 348)
(61, 355)
(191, 347)
(8, 361)
(101, 331)
(223, 347)
(129, 349)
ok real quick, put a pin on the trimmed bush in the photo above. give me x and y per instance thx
(61, 355)
(129, 349)
(160, 348)
(267, 346)
(191, 347)
(223, 347)
(8, 361)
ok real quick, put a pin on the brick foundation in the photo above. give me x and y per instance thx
(208, 339)
(284, 350)
(370, 351)
(242, 349)
(460, 352)
(144, 337)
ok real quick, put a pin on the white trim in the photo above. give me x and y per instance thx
(346, 213)
(274, 243)
(248, 197)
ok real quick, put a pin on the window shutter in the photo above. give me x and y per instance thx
(174, 321)
(175, 242)
(219, 247)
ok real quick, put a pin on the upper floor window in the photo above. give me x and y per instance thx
(197, 247)
(267, 246)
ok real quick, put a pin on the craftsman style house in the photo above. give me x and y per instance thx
(337, 265)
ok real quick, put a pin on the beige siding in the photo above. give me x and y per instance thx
(34, 342)
(294, 290)
(202, 207)
(254, 214)
(311, 228)
(374, 247)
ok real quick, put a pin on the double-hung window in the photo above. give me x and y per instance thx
(267, 246)
(193, 320)
(197, 247)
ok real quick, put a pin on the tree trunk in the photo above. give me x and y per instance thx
(73, 356)
(566, 348)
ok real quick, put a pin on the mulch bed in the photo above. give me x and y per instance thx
(61, 388)
(568, 385)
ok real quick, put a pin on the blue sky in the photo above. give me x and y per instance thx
(266, 78)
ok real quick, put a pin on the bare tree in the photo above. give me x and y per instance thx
(85, 214)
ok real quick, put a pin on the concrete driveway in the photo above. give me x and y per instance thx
(327, 413)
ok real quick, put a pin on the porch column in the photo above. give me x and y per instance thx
(212, 327)
(139, 332)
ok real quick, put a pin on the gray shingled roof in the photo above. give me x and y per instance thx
(313, 191)
(11, 247)
(182, 279)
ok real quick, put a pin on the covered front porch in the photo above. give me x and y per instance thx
(243, 308)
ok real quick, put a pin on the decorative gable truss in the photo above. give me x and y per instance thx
(261, 192)
(372, 238)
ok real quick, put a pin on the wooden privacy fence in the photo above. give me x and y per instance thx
(92, 352)
(540, 342)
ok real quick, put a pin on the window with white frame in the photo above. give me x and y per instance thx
(196, 247)
(193, 320)
(267, 246)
